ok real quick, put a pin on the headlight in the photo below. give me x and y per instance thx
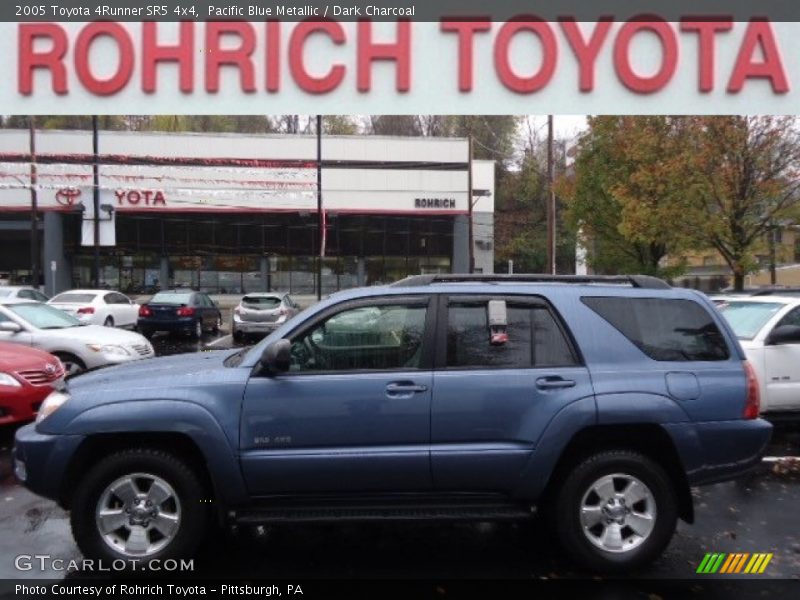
(51, 404)
(8, 380)
(112, 350)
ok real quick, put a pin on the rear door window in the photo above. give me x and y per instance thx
(664, 329)
(535, 338)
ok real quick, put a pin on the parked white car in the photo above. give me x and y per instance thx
(23, 292)
(768, 327)
(98, 307)
(80, 347)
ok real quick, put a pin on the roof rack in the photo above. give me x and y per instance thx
(637, 281)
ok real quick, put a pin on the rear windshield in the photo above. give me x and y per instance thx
(262, 302)
(70, 298)
(664, 329)
(169, 298)
(748, 318)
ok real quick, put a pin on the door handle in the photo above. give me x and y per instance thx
(405, 388)
(554, 383)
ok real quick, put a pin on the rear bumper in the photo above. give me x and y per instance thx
(41, 460)
(178, 324)
(720, 450)
(249, 327)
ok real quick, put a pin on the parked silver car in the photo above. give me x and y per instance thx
(79, 347)
(261, 313)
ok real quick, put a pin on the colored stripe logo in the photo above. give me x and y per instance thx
(737, 562)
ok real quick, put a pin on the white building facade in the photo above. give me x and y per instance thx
(232, 213)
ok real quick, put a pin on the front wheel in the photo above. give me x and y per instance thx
(616, 510)
(72, 364)
(139, 505)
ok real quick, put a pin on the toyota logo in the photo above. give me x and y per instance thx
(67, 196)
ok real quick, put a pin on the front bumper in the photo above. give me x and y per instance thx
(716, 451)
(41, 460)
(22, 404)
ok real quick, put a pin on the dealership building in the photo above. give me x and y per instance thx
(232, 213)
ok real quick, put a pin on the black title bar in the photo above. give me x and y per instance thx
(391, 10)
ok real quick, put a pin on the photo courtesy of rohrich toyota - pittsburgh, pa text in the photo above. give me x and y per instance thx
(400, 299)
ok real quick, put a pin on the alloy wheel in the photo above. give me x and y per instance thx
(138, 515)
(618, 513)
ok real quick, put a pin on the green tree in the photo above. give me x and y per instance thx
(746, 177)
(627, 196)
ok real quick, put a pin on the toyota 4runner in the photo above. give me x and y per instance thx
(598, 401)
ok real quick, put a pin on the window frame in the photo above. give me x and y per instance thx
(782, 320)
(428, 338)
(443, 323)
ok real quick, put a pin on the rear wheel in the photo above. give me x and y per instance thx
(72, 364)
(139, 504)
(109, 322)
(616, 510)
(217, 325)
(198, 329)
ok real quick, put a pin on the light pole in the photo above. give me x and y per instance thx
(34, 206)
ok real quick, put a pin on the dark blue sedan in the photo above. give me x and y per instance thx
(179, 311)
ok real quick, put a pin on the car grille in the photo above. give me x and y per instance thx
(142, 349)
(42, 376)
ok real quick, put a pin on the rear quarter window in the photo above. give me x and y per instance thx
(664, 329)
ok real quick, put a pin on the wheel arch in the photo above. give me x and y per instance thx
(648, 439)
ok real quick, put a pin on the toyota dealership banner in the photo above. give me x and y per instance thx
(200, 58)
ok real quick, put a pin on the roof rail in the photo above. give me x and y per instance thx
(637, 281)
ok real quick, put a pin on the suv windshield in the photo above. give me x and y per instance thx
(43, 316)
(171, 298)
(748, 318)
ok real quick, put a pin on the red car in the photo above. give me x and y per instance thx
(27, 376)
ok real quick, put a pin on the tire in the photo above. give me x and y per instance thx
(640, 540)
(238, 336)
(197, 332)
(217, 325)
(181, 514)
(72, 364)
(109, 322)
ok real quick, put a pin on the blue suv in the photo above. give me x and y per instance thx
(597, 401)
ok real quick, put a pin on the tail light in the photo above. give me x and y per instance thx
(752, 405)
(86, 310)
(185, 311)
(145, 311)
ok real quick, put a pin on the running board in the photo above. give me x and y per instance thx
(383, 513)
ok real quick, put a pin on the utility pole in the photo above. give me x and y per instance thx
(96, 201)
(320, 216)
(34, 206)
(471, 230)
(551, 202)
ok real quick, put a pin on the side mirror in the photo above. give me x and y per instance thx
(785, 334)
(10, 327)
(277, 356)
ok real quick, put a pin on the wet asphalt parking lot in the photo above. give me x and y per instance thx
(759, 513)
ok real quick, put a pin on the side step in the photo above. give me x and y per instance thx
(383, 513)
